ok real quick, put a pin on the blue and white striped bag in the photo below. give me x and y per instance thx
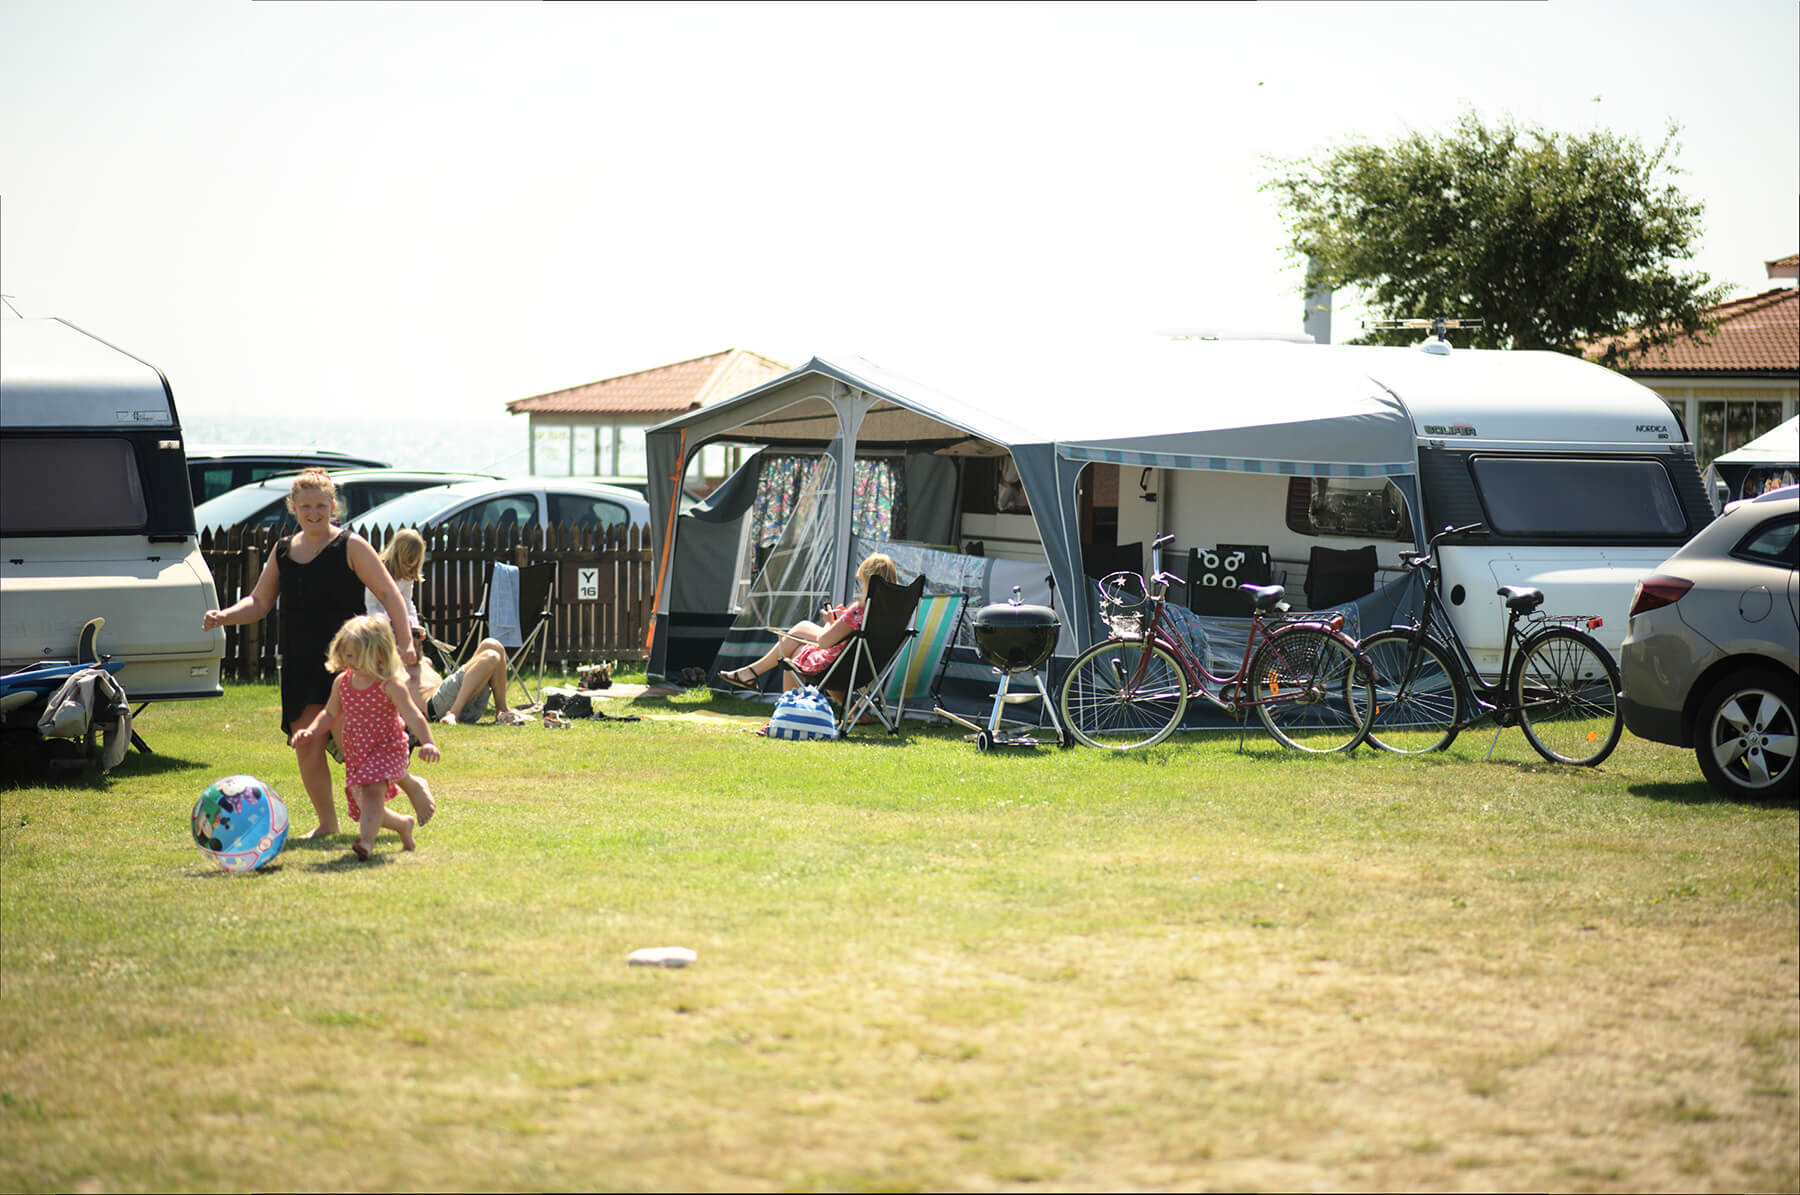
(803, 713)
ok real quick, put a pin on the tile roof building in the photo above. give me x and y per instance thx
(597, 429)
(1742, 379)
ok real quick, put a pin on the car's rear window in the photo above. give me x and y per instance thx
(1774, 542)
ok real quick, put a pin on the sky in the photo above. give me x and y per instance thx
(418, 211)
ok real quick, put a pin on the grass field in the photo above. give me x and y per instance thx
(919, 967)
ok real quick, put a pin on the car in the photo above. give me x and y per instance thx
(1709, 660)
(264, 503)
(215, 468)
(523, 501)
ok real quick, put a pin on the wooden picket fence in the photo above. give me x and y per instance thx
(611, 624)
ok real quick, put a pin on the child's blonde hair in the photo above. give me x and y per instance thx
(404, 555)
(365, 644)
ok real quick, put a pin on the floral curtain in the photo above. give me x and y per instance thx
(878, 502)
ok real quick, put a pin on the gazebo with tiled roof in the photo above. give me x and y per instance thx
(597, 429)
(1742, 379)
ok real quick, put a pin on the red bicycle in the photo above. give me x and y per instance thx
(1305, 678)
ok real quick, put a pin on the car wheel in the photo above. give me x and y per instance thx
(1746, 735)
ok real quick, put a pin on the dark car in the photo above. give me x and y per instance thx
(1709, 660)
(264, 503)
(214, 468)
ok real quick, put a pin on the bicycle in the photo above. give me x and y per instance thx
(1303, 677)
(1561, 686)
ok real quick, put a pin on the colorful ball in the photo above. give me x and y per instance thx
(240, 823)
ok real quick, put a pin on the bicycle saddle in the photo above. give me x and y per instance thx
(1264, 597)
(1521, 598)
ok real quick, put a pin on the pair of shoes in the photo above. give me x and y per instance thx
(556, 722)
(510, 718)
(735, 681)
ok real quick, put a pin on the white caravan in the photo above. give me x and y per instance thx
(95, 516)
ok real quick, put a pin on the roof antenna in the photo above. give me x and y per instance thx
(1436, 344)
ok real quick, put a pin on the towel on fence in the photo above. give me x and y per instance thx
(503, 606)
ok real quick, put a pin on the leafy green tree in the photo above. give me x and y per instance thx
(1552, 241)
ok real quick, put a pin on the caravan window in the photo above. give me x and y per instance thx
(1365, 508)
(69, 486)
(1577, 498)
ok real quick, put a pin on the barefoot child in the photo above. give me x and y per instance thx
(371, 711)
(404, 559)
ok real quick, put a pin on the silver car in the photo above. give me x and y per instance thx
(1711, 655)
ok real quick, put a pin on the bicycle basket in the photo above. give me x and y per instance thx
(1124, 604)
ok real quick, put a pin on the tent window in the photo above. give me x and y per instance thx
(878, 507)
(1363, 508)
(1569, 498)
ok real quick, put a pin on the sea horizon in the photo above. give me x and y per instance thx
(495, 444)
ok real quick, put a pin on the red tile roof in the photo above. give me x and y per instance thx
(663, 392)
(1757, 336)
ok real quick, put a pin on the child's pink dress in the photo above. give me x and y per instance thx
(374, 738)
(813, 659)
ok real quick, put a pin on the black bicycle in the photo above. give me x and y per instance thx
(1556, 681)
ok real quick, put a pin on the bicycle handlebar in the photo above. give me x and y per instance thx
(1447, 532)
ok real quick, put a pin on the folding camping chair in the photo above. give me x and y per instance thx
(862, 670)
(515, 609)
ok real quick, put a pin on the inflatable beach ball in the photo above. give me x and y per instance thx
(240, 823)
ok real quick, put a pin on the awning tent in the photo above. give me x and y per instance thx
(1246, 407)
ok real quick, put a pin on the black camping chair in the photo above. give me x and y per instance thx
(1335, 576)
(536, 596)
(862, 669)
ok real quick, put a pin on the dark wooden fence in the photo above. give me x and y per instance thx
(605, 619)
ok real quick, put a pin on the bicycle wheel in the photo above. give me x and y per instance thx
(1313, 693)
(1121, 694)
(1566, 687)
(1418, 694)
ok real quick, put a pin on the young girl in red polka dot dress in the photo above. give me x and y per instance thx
(371, 708)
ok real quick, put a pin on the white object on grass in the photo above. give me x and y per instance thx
(661, 956)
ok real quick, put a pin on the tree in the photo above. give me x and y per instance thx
(1552, 241)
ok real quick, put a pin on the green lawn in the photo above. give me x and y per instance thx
(919, 967)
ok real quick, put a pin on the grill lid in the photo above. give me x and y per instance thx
(1012, 614)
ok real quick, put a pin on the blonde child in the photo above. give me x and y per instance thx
(371, 711)
(404, 559)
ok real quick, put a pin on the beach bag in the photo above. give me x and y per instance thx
(803, 713)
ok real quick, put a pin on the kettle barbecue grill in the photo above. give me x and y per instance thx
(1013, 639)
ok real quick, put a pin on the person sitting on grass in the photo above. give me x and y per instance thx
(463, 695)
(813, 647)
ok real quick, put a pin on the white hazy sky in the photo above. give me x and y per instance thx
(390, 210)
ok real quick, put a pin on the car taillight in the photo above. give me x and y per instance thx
(1658, 591)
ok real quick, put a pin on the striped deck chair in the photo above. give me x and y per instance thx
(936, 626)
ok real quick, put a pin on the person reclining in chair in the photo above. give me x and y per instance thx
(812, 647)
(463, 695)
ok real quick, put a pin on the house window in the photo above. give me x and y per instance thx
(1725, 424)
(550, 450)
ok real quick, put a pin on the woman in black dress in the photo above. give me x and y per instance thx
(319, 573)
